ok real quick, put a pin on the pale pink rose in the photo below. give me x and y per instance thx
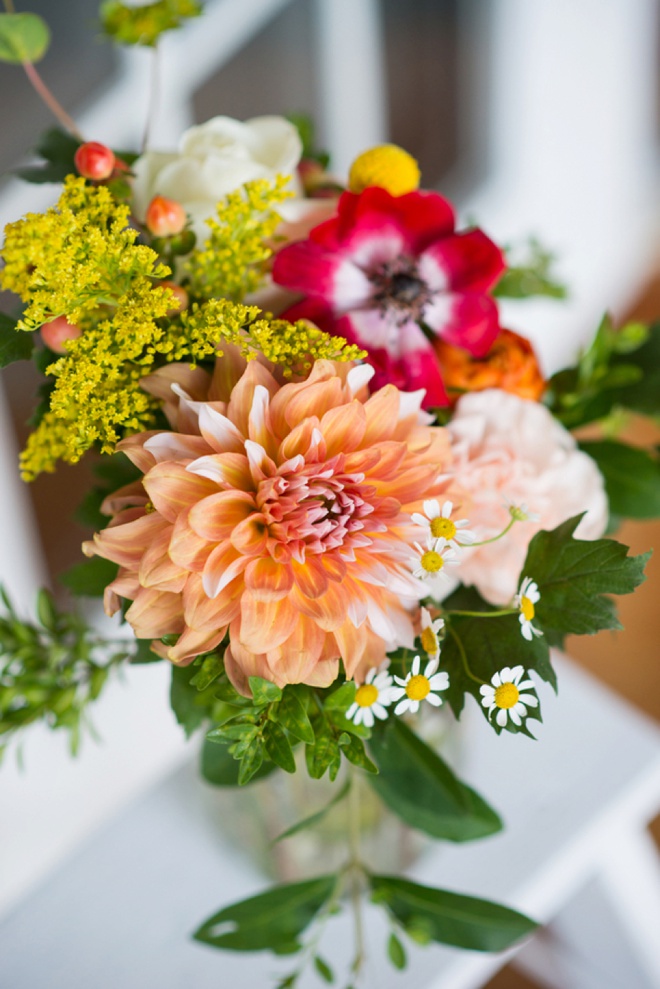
(509, 450)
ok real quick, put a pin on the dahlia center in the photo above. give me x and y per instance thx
(527, 608)
(418, 687)
(366, 695)
(443, 528)
(507, 695)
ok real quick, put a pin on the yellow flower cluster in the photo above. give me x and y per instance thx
(231, 262)
(80, 260)
(79, 255)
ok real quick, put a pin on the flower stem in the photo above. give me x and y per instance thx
(484, 614)
(154, 92)
(44, 92)
(464, 659)
(493, 539)
(356, 870)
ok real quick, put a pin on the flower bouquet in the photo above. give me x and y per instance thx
(332, 491)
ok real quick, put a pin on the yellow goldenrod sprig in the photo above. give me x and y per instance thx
(231, 262)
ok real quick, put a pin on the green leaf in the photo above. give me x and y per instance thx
(278, 747)
(144, 653)
(89, 578)
(210, 669)
(632, 478)
(533, 276)
(219, 768)
(323, 969)
(185, 700)
(423, 791)
(324, 754)
(130, 25)
(450, 918)
(251, 762)
(15, 345)
(263, 691)
(353, 749)
(309, 822)
(273, 920)
(56, 148)
(292, 715)
(396, 952)
(573, 575)
(23, 38)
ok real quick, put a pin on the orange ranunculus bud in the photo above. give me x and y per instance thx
(510, 364)
(165, 217)
(94, 161)
(55, 333)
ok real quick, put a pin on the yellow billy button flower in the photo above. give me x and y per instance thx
(387, 167)
(441, 528)
(505, 695)
(372, 697)
(525, 599)
(418, 687)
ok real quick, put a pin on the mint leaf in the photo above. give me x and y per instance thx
(23, 38)
(632, 478)
(15, 345)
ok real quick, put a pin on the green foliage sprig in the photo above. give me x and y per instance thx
(530, 273)
(128, 25)
(51, 669)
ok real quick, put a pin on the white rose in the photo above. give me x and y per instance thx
(506, 448)
(214, 159)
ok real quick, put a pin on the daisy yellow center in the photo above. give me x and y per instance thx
(443, 528)
(527, 608)
(429, 640)
(432, 562)
(507, 695)
(366, 695)
(418, 687)
(386, 166)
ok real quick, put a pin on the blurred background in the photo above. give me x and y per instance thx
(536, 118)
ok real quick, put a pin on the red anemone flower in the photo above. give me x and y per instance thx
(390, 274)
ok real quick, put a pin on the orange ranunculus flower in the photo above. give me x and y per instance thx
(509, 365)
(278, 514)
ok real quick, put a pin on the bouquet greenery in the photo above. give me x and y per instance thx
(334, 492)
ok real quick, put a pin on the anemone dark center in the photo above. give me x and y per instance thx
(399, 291)
(406, 288)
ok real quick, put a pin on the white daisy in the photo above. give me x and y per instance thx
(372, 697)
(506, 697)
(525, 599)
(430, 633)
(442, 529)
(521, 513)
(418, 687)
(431, 562)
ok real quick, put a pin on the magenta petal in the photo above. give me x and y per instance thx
(420, 366)
(468, 320)
(305, 267)
(463, 261)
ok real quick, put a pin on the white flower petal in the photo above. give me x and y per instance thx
(434, 700)
(501, 717)
(431, 508)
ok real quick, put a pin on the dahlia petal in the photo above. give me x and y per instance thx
(265, 625)
(313, 401)
(187, 549)
(157, 568)
(155, 613)
(329, 610)
(358, 379)
(192, 642)
(131, 495)
(295, 659)
(267, 579)
(310, 577)
(215, 516)
(172, 489)
(251, 535)
(468, 320)
(351, 643)
(343, 428)
(241, 664)
(126, 544)
(175, 446)
(229, 470)
(463, 261)
(382, 410)
(299, 441)
(205, 613)
(223, 565)
(133, 448)
(219, 432)
(256, 382)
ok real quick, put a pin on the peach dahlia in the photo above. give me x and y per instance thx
(278, 515)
